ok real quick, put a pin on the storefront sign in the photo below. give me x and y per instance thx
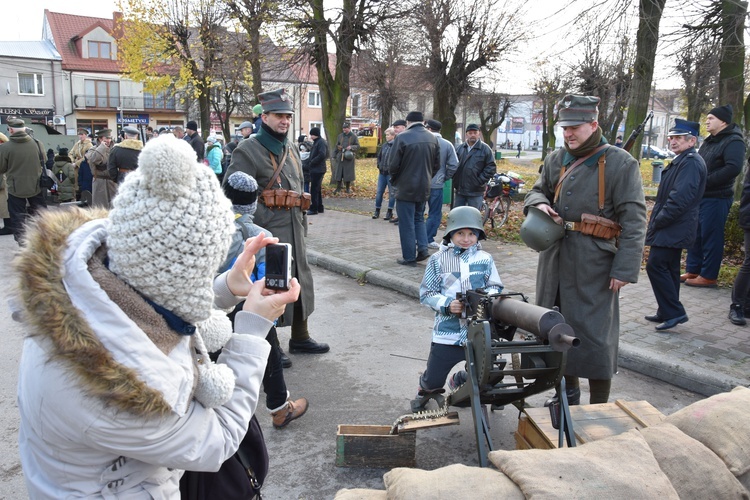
(132, 119)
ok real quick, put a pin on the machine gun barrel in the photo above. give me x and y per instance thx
(544, 323)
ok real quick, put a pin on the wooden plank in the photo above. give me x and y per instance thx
(590, 422)
(426, 423)
(534, 436)
(521, 443)
(374, 446)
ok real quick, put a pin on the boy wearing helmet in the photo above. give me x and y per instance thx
(460, 265)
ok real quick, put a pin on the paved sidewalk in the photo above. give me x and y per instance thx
(706, 355)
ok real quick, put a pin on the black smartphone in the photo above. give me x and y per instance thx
(278, 266)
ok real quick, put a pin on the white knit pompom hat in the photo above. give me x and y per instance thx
(170, 229)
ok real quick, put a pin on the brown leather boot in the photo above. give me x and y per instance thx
(687, 276)
(290, 411)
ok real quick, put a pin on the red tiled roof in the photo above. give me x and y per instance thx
(67, 29)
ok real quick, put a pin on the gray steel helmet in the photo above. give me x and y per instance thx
(464, 217)
(539, 231)
(348, 155)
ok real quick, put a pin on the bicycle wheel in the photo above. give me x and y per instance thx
(501, 212)
(486, 212)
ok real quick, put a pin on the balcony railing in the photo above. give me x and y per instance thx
(130, 103)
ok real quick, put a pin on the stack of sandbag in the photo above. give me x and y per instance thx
(701, 451)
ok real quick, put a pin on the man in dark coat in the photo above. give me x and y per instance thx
(104, 188)
(724, 154)
(476, 166)
(413, 160)
(316, 165)
(580, 273)
(195, 139)
(123, 157)
(345, 152)
(674, 222)
(21, 161)
(259, 155)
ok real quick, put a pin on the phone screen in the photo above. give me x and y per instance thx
(278, 266)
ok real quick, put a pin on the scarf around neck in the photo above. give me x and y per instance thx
(272, 141)
(587, 147)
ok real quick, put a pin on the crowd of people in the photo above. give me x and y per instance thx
(157, 331)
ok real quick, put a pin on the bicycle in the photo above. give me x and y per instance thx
(497, 198)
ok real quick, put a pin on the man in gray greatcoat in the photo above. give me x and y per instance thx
(104, 188)
(344, 152)
(259, 155)
(580, 273)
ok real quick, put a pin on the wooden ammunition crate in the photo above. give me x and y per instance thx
(590, 422)
(374, 446)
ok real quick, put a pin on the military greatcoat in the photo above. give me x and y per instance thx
(253, 157)
(575, 272)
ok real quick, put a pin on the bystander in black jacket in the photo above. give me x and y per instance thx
(476, 166)
(674, 218)
(316, 162)
(412, 161)
(196, 142)
(724, 154)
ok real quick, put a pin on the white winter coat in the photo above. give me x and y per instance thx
(105, 411)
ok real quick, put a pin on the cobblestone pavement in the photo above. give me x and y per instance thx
(706, 355)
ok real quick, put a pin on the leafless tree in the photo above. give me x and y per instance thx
(492, 109)
(698, 65)
(550, 86)
(460, 38)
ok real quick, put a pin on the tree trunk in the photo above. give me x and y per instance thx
(650, 12)
(732, 62)
(255, 67)
(551, 124)
(205, 108)
(444, 106)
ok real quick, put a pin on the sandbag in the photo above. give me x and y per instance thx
(620, 467)
(721, 423)
(453, 481)
(694, 470)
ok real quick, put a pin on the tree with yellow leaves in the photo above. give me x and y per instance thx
(180, 43)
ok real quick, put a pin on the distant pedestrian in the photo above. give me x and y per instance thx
(476, 166)
(518, 147)
(103, 188)
(123, 157)
(195, 139)
(384, 176)
(448, 166)
(413, 161)
(345, 154)
(22, 160)
(316, 165)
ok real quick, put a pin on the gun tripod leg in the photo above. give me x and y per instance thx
(478, 411)
(566, 423)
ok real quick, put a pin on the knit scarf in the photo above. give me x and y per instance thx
(272, 141)
(587, 147)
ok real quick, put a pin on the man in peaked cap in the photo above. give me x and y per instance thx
(81, 147)
(579, 275)
(258, 156)
(246, 129)
(123, 158)
(674, 222)
(21, 161)
(344, 154)
(476, 166)
(724, 153)
(103, 188)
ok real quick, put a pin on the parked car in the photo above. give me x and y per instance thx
(656, 153)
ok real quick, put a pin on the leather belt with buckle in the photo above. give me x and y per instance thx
(571, 226)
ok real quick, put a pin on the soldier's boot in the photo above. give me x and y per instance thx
(338, 188)
(348, 186)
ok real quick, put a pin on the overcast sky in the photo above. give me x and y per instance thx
(548, 24)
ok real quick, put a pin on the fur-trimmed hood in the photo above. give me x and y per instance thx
(119, 348)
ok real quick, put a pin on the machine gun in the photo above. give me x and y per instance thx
(539, 358)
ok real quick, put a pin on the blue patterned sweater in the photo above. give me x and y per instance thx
(451, 271)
